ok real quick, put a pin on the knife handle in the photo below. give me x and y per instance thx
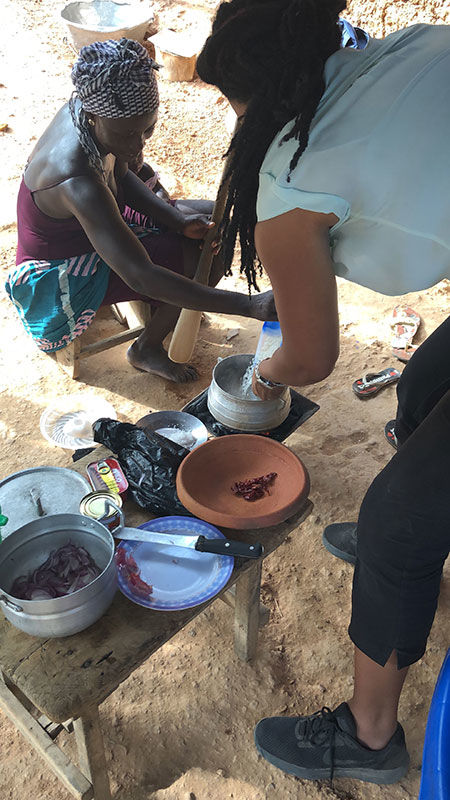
(228, 547)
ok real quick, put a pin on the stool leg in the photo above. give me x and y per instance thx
(246, 612)
(135, 313)
(69, 358)
(91, 752)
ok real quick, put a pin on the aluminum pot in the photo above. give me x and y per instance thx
(29, 546)
(228, 405)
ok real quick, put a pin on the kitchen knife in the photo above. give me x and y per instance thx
(221, 547)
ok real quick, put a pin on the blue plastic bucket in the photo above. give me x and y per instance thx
(435, 782)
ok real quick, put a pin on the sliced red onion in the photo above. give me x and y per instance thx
(66, 570)
(41, 594)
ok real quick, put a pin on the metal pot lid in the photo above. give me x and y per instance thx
(40, 491)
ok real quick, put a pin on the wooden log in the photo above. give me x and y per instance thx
(177, 54)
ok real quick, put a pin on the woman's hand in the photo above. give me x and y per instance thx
(262, 390)
(196, 226)
(262, 306)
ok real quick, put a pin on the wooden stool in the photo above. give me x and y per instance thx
(135, 314)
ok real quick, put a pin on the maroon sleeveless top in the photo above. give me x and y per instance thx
(41, 237)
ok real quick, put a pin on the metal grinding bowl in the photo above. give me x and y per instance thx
(29, 546)
(228, 404)
(188, 430)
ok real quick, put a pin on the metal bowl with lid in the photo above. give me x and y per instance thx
(29, 546)
(229, 404)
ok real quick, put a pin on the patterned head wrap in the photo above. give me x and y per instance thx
(116, 79)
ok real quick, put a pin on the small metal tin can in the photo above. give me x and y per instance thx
(107, 476)
(97, 505)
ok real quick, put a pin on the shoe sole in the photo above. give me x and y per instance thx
(335, 551)
(383, 777)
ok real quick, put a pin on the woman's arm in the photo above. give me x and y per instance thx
(139, 197)
(144, 174)
(294, 249)
(93, 204)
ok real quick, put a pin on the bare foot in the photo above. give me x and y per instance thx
(158, 362)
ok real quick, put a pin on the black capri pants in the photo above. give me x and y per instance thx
(404, 521)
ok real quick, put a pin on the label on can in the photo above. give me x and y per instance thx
(107, 475)
(97, 505)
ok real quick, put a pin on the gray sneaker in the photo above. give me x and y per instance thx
(324, 745)
(340, 540)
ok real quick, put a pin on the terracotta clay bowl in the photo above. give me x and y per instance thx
(206, 475)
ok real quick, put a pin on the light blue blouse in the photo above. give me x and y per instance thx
(379, 159)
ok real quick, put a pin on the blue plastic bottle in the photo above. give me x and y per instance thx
(270, 340)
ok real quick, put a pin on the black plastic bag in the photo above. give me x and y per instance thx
(150, 463)
(301, 409)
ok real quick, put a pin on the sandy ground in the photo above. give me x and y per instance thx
(181, 727)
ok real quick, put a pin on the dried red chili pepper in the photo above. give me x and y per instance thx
(254, 488)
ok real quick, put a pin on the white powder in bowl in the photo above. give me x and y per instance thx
(178, 436)
(266, 348)
(247, 391)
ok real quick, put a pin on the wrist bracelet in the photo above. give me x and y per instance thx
(265, 381)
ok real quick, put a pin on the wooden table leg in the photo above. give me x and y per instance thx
(246, 612)
(91, 752)
(229, 598)
(77, 783)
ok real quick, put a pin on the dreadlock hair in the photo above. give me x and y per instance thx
(269, 54)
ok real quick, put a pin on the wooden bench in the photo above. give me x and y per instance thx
(67, 679)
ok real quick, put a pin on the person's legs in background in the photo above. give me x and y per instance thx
(403, 539)
(376, 695)
(425, 379)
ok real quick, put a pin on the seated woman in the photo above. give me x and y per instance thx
(76, 250)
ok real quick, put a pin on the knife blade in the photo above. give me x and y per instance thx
(222, 547)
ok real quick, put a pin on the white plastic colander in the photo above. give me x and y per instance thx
(68, 421)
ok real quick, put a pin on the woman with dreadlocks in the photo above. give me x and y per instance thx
(76, 251)
(341, 166)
